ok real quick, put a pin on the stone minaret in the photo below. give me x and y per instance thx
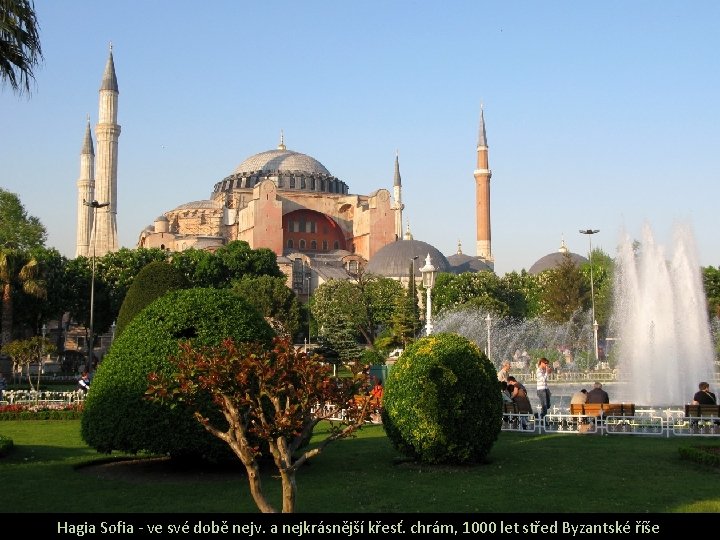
(86, 192)
(482, 195)
(397, 194)
(107, 132)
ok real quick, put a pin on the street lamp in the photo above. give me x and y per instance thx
(590, 232)
(43, 330)
(94, 205)
(113, 327)
(488, 325)
(411, 288)
(428, 274)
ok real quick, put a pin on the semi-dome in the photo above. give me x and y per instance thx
(200, 205)
(281, 160)
(394, 259)
(553, 260)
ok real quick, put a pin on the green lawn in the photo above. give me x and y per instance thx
(525, 473)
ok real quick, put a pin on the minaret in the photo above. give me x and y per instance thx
(86, 190)
(397, 194)
(482, 195)
(107, 132)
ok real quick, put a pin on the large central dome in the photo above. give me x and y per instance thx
(281, 160)
(290, 171)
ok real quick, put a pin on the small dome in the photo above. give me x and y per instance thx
(553, 260)
(281, 160)
(161, 218)
(460, 263)
(394, 259)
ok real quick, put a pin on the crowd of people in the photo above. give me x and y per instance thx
(513, 391)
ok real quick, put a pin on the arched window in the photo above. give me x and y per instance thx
(325, 245)
(313, 245)
(290, 244)
(301, 244)
(336, 245)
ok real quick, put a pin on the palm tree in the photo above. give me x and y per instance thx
(17, 269)
(20, 49)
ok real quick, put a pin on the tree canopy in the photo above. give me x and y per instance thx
(17, 229)
(20, 48)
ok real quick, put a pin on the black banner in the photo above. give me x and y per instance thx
(333, 525)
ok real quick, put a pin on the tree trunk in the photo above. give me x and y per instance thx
(289, 490)
(7, 314)
(253, 472)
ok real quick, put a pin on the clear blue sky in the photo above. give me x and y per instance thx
(599, 115)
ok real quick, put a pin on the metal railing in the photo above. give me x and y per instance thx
(43, 397)
(653, 422)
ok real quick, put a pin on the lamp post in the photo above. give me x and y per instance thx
(309, 283)
(113, 327)
(428, 274)
(488, 325)
(94, 205)
(411, 288)
(43, 330)
(590, 232)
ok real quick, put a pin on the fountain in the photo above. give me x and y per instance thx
(664, 346)
(522, 341)
(662, 340)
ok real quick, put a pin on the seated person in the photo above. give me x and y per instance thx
(507, 398)
(597, 395)
(519, 395)
(579, 397)
(704, 396)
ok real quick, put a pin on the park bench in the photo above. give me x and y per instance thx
(602, 409)
(699, 411)
(598, 412)
(515, 417)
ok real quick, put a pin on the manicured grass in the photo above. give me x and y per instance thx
(538, 473)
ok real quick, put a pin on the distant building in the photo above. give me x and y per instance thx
(278, 199)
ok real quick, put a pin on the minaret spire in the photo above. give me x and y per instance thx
(108, 133)
(282, 146)
(86, 189)
(397, 194)
(482, 196)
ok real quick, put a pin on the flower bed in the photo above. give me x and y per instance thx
(41, 411)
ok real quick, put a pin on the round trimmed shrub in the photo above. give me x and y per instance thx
(117, 416)
(441, 402)
(153, 280)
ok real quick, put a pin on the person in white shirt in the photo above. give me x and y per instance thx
(543, 390)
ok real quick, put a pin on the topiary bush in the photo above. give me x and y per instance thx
(153, 281)
(441, 402)
(118, 417)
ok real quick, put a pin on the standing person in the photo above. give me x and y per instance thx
(597, 394)
(704, 396)
(543, 390)
(504, 372)
(84, 382)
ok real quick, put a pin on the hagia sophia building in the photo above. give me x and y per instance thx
(278, 199)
